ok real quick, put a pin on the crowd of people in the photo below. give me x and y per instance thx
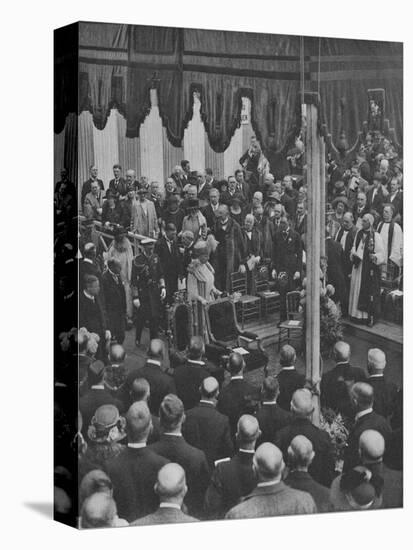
(157, 444)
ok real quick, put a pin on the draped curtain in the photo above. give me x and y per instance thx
(119, 64)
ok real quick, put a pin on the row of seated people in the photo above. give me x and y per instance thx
(241, 451)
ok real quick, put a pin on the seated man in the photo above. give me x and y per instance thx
(93, 203)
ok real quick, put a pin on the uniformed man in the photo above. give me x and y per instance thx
(148, 290)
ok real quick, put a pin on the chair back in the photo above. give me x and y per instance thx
(262, 280)
(180, 326)
(221, 320)
(239, 283)
(293, 304)
(389, 274)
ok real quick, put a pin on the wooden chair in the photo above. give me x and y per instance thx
(292, 327)
(247, 306)
(270, 299)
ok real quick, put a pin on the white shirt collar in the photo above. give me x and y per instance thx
(289, 368)
(169, 505)
(376, 375)
(89, 296)
(88, 260)
(239, 377)
(269, 402)
(173, 433)
(268, 483)
(137, 445)
(196, 362)
(207, 401)
(97, 387)
(363, 413)
(154, 362)
(342, 363)
(248, 451)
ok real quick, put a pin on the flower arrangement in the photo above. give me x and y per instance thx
(334, 425)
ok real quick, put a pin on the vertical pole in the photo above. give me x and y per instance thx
(322, 195)
(312, 337)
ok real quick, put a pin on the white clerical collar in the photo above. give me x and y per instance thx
(268, 483)
(136, 445)
(89, 295)
(248, 451)
(88, 260)
(153, 362)
(196, 362)
(207, 401)
(269, 402)
(380, 375)
(289, 368)
(175, 434)
(169, 505)
(239, 377)
(97, 387)
(363, 413)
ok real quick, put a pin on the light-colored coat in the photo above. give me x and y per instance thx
(145, 224)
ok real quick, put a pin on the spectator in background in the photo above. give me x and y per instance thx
(99, 510)
(93, 177)
(112, 213)
(144, 217)
(271, 417)
(289, 379)
(118, 184)
(93, 202)
(385, 392)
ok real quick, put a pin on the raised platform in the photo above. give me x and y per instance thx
(391, 333)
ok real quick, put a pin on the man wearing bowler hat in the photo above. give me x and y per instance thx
(149, 290)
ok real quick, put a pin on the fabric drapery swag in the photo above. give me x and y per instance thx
(117, 65)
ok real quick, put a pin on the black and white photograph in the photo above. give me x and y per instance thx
(228, 263)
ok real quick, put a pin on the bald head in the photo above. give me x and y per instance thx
(362, 395)
(95, 481)
(301, 403)
(341, 352)
(236, 363)
(98, 510)
(248, 430)
(300, 453)
(171, 483)
(376, 361)
(209, 388)
(140, 390)
(138, 422)
(196, 347)
(268, 462)
(156, 349)
(287, 356)
(371, 446)
(117, 354)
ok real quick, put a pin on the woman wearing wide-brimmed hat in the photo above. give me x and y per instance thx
(201, 276)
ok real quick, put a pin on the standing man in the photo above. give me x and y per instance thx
(367, 255)
(93, 202)
(271, 417)
(149, 290)
(392, 236)
(144, 218)
(87, 186)
(211, 209)
(345, 236)
(171, 260)
(300, 220)
(287, 258)
(242, 186)
(115, 300)
(360, 209)
(92, 315)
(289, 379)
(385, 392)
(118, 184)
(335, 271)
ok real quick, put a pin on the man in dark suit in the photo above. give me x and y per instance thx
(287, 257)
(385, 392)
(96, 395)
(345, 237)
(171, 489)
(87, 185)
(300, 456)
(171, 259)
(335, 272)
(188, 376)
(205, 427)
(323, 465)
(92, 314)
(396, 199)
(118, 184)
(160, 383)
(234, 478)
(285, 199)
(211, 209)
(300, 219)
(238, 396)
(362, 395)
(115, 300)
(134, 471)
(271, 497)
(173, 446)
(335, 383)
(89, 265)
(288, 378)
(375, 198)
(360, 209)
(271, 417)
(203, 189)
(243, 187)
